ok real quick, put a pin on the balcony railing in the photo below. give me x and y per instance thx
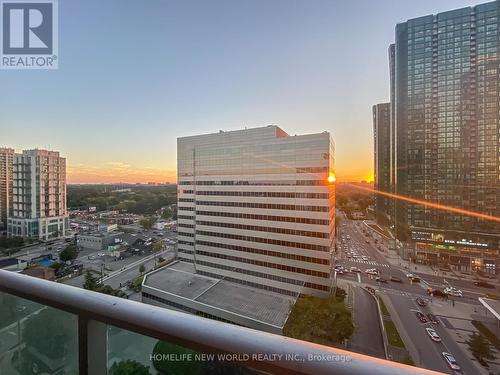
(47, 327)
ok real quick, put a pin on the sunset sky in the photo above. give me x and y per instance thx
(133, 76)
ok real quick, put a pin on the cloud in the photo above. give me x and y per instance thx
(117, 165)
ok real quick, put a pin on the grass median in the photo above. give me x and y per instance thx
(391, 331)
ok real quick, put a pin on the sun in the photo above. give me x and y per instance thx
(332, 179)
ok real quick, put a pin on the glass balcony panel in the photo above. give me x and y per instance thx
(145, 355)
(36, 339)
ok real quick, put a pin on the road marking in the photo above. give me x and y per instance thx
(359, 277)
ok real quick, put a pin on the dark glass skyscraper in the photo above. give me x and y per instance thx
(382, 160)
(447, 116)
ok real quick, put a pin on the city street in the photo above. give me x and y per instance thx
(367, 338)
(401, 298)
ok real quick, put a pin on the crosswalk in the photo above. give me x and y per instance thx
(370, 262)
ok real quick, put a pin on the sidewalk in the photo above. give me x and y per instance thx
(460, 310)
(393, 258)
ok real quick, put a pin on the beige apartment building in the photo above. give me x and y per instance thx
(6, 161)
(38, 195)
(256, 207)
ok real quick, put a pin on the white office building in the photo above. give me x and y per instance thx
(38, 195)
(257, 207)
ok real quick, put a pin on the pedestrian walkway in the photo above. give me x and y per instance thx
(370, 262)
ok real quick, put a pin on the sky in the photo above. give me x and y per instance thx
(135, 75)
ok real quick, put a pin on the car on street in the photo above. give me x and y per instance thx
(451, 361)
(396, 279)
(371, 271)
(364, 257)
(484, 284)
(433, 335)
(421, 317)
(438, 293)
(91, 257)
(380, 280)
(421, 302)
(354, 269)
(432, 318)
(101, 254)
(453, 291)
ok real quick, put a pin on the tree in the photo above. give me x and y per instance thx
(324, 321)
(142, 269)
(157, 247)
(147, 223)
(167, 213)
(90, 281)
(163, 349)
(57, 266)
(480, 348)
(108, 289)
(129, 367)
(69, 253)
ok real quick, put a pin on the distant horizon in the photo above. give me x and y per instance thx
(175, 183)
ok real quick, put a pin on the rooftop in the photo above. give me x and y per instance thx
(180, 279)
(492, 305)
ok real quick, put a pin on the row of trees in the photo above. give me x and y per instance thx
(141, 200)
(8, 244)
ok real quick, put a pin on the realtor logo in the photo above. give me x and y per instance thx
(28, 34)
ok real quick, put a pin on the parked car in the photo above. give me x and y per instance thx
(432, 318)
(421, 317)
(433, 335)
(421, 302)
(396, 279)
(484, 284)
(451, 361)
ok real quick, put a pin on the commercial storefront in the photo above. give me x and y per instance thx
(472, 253)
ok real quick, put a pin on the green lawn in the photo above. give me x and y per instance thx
(383, 308)
(392, 334)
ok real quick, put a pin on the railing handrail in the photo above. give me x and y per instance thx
(204, 335)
